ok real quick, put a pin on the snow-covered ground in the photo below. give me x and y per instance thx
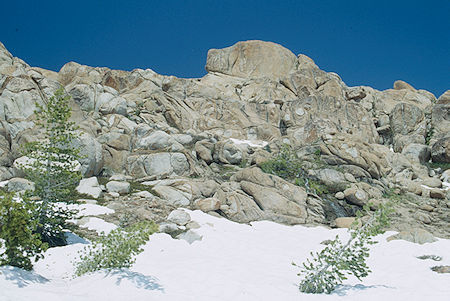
(232, 262)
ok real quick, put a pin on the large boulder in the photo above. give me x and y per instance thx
(444, 99)
(159, 164)
(370, 157)
(91, 153)
(159, 140)
(252, 59)
(417, 152)
(19, 184)
(440, 121)
(400, 85)
(440, 152)
(120, 187)
(414, 235)
(408, 125)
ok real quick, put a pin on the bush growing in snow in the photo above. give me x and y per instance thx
(18, 241)
(329, 267)
(115, 250)
(52, 165)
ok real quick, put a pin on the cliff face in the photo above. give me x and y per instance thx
(202, 139)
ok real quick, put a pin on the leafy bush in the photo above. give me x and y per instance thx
(286, 164)
(329, 268)
(115, 250)
(53, 167)
(17, 227)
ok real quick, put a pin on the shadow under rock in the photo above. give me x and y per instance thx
(21, 277)
(138, 279)
(342, 290)
(72, 238)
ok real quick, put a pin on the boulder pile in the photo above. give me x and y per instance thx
(162, 142)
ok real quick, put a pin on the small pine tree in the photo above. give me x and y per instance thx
(18, 241)
(115, 250)
(329, 268)
(53, 167)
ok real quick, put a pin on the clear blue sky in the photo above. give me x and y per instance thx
(366, 42)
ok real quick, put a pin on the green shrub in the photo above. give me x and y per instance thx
(329, 267)
(115, 250)
(286, 164)
(17, 227)
(52, 166)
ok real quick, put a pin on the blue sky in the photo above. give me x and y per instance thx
(369, 43)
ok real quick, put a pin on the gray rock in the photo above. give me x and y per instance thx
(159, 140)
(90, 187)
(171, 196)
(111, 104)
(19, 184)
(417, 152)
(228, 152)
(437, 194)
(190, 236)
(204, 151)
(432, 182)
(159, 164)
(91, 154)
(440, 152)
(356, 196)
(269, 199)
(168, 228)
(415, 235)
(251, 59)
(340, 195)
(120, 177)
(344, 222)
(333, 179)
(179, 217)
(208, 204)
(84, 96)
(118, 186)
(445, 177)
(444, 98)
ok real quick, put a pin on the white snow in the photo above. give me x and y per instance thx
(249, 142)
(28, 163)
(232, 262)
(445, 186)
(90, 209)
(97, 224)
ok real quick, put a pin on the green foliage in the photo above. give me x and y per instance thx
(329, 267)
(53, 167)
(432, 257)
(19, 242)
(429, 135)
(115, 250)
(286, 164)
(441, 165)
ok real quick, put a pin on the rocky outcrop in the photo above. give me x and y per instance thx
(197, 142)
(252, 59)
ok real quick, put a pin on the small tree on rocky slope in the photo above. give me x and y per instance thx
(53, 167)
(329, 267)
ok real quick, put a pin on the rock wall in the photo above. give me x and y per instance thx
(256, 97)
